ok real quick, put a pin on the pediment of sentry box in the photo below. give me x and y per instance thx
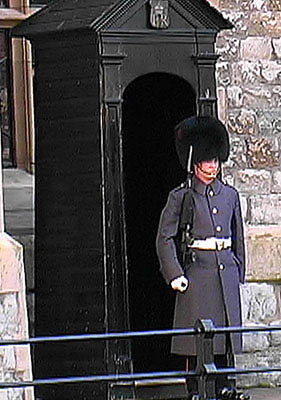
(178, 15)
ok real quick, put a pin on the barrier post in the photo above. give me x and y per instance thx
(205, 360)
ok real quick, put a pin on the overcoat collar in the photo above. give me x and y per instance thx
(201, 187)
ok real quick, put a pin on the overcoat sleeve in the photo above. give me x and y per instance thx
(238, 243)
(165, 242)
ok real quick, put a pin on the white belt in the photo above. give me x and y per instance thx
(211, 243)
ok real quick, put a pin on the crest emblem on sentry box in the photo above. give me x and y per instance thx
(159, 15)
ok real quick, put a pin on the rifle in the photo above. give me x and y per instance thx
(186, 217)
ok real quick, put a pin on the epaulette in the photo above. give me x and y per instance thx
(182, 186)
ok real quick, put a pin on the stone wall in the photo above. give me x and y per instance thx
(249, 98)
(15, 361)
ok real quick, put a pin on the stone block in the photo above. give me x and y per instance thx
(276, 182)
(229, 4)
(256, 72)
(238, 153)
(263, 152)
(252, 5)
(9, 360)
(228, 46)
(262, 97)
(265, 209)
(15, 363)
(12, 394)
(27, 242)
(269, 357)
(9, 312)
(271, 72)
(234, 97)
(276, 44)
(256, 48)
(257, 341)
(264, 23)
(222, 104)
(274, 5)
(259, 303)
(4, 394)
(228, 176)
(275, 336)
(223, 74)
(244, 206)
(253, 181)
(276, 126)
(264, 252)
(243, 123)
(269, 121)
(276, 96)
(246, 72)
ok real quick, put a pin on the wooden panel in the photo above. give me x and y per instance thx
(63, 41)
(71, 88)
(69, 283)
(49, 130)
(74, 283)
(50, 54)
(67, 357)
(67, 109)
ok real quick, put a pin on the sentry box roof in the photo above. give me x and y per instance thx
(71, 15)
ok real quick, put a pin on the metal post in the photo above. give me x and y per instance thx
(205, 360)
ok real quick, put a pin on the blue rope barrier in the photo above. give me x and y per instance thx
(97, 378)
(141, 334)
(202, 328)
(135, 377)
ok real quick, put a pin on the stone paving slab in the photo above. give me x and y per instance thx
(18, 198)
(18, 192)
(265, 393)
(17, 178)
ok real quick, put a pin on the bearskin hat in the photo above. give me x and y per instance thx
(207, 135)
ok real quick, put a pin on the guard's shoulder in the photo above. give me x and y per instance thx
(230, 188)
(181, 188)
(177, 193)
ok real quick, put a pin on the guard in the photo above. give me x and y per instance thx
(200, 246)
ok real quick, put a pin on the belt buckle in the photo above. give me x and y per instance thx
(219, 245)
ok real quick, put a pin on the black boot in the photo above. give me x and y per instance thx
(242, 396)
(231, 393)
(227, 393)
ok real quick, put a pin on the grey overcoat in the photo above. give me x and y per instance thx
(214, 276)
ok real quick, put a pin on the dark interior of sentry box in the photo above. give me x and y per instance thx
(153, 104)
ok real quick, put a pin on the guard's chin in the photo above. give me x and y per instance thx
(210, 174)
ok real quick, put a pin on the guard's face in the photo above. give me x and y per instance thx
(207, 170)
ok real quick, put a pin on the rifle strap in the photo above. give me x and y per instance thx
(187, 210)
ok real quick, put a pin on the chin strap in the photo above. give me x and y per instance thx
(209, 174)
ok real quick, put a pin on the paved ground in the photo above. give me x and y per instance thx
(265, 394)
(18, 190)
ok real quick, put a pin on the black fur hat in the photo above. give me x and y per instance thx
(207, 135)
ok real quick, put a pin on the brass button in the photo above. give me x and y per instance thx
(215, 210)
(221, 267)
(219, 228)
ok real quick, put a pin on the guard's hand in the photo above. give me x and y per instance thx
(181, 284)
